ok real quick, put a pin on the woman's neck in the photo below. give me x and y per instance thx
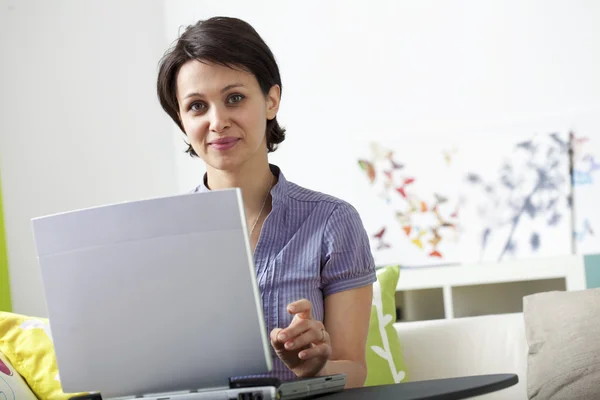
(255, 182)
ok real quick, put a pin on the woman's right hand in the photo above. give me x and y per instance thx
(304, 346)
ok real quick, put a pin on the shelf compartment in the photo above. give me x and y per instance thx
(420, 304)
(499, 298)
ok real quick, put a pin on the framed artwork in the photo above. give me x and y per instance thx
(407, 198)
(429, 202)
(515, 197)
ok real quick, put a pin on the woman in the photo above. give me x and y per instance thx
(221, 85)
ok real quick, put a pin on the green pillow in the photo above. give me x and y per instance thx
(385, 361)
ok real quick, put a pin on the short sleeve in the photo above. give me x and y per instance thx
(347, 261)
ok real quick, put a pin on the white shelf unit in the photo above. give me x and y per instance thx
(481, 289)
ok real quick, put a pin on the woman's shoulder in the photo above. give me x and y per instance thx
(303, 194)
(327, 204)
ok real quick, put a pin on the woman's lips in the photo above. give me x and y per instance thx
(224, 143)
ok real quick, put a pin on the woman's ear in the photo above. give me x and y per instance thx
(273, 99)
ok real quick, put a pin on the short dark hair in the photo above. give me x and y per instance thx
(226, 41)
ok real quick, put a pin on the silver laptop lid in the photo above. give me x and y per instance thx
(153, 295)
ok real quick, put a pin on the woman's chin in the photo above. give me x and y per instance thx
(224, 163)
(232, 161)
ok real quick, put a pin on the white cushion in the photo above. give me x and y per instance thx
(12, 385)
(449, 348)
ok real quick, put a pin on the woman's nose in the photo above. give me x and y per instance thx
(219, 119)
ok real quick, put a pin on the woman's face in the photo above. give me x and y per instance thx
(224, 113)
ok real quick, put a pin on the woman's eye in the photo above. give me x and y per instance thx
(197, 106)
(235, 98)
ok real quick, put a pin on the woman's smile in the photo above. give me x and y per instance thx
(223, 144)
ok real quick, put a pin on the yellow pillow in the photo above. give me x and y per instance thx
(27, 343)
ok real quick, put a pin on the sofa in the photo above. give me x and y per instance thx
(434, 349)
(552, 346)
(467, 346)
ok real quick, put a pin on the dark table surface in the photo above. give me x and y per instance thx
(438, 389)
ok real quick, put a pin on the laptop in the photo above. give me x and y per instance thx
(158, 299)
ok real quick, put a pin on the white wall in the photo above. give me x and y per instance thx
(80, 124)
(352, 69)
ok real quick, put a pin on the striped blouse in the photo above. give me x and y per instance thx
(311, 245)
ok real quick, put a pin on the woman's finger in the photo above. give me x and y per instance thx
(301, 308)
(298, 327)
(320, 350)
(315, 335)
(275, 338)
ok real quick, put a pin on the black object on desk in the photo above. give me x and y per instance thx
(437, 389)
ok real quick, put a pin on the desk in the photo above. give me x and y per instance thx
(438, 389)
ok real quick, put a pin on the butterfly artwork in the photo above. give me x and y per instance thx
(585, 232)
(381, 244)
(582, 178)
(593, 164)
(516, 194)
(402, 188)
(578, 143)
(449, 155)
(369, 169)
(409, 205)
(417, 240)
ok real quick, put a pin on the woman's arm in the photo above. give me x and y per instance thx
(310, 347)
(347, 315)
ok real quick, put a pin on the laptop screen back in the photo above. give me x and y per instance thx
(152, 296)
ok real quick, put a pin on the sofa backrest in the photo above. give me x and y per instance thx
(467, 346)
